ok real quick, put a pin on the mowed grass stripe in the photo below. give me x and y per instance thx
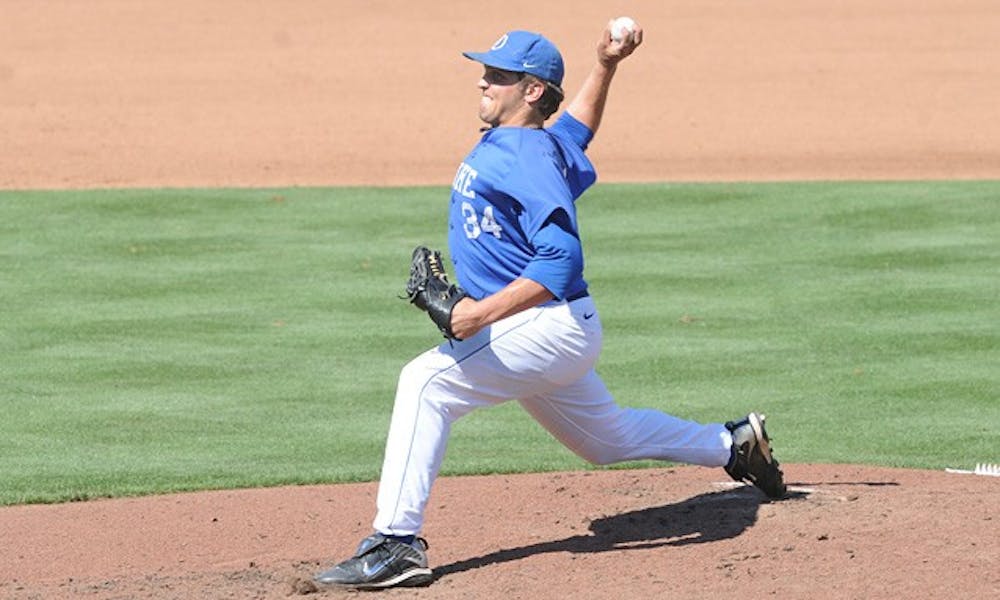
(161, 340)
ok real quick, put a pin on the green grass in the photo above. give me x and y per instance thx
(168, 340)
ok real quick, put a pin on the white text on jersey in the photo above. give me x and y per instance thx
(463, 180)
(473, 226)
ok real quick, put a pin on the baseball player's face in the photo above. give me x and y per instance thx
(502, 101)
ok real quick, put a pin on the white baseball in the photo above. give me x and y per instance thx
(621, 27)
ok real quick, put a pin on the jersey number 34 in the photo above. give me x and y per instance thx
(476, 226)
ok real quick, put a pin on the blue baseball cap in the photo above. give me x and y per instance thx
(523, 52)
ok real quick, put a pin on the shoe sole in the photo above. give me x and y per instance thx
(757, 424)
(411, 578)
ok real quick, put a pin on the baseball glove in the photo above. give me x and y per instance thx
(428, 289)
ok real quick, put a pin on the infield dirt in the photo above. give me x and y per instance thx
(112, 93)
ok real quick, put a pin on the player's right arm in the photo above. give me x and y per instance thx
(588, 104)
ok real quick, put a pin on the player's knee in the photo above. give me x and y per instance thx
(424, 382)
(417, 373)
(409, 372)
(595, 455)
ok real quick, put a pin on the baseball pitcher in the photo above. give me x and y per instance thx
(519, 319)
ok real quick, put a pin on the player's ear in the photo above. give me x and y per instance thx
(534, 89)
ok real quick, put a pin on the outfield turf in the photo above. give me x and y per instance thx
(185, 339)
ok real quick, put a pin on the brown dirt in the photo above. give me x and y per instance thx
(844, 532)
(112, 93)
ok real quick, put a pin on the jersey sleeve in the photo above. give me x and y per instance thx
(558, 261)
(569, 128)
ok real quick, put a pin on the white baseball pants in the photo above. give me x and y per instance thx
(544, 357)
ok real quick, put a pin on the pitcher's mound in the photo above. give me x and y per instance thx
(686, 532)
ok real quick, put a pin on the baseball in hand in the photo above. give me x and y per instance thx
(622, 27)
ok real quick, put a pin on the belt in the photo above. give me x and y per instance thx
(581, 294)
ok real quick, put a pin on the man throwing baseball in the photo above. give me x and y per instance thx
(521, 323)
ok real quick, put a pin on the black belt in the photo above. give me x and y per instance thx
(581, 294)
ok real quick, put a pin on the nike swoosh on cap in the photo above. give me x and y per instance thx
(528, 66)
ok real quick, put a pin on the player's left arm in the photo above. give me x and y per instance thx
(557, 264)
(588, 104)
(470, 316)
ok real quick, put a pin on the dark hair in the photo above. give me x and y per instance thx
(551, 99)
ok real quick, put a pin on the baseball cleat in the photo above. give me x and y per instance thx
(752, 460)
(381, 562)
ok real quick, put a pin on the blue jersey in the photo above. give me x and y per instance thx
(504, 192)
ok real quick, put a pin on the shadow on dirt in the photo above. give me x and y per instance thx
(850, 483)
(704, 518)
